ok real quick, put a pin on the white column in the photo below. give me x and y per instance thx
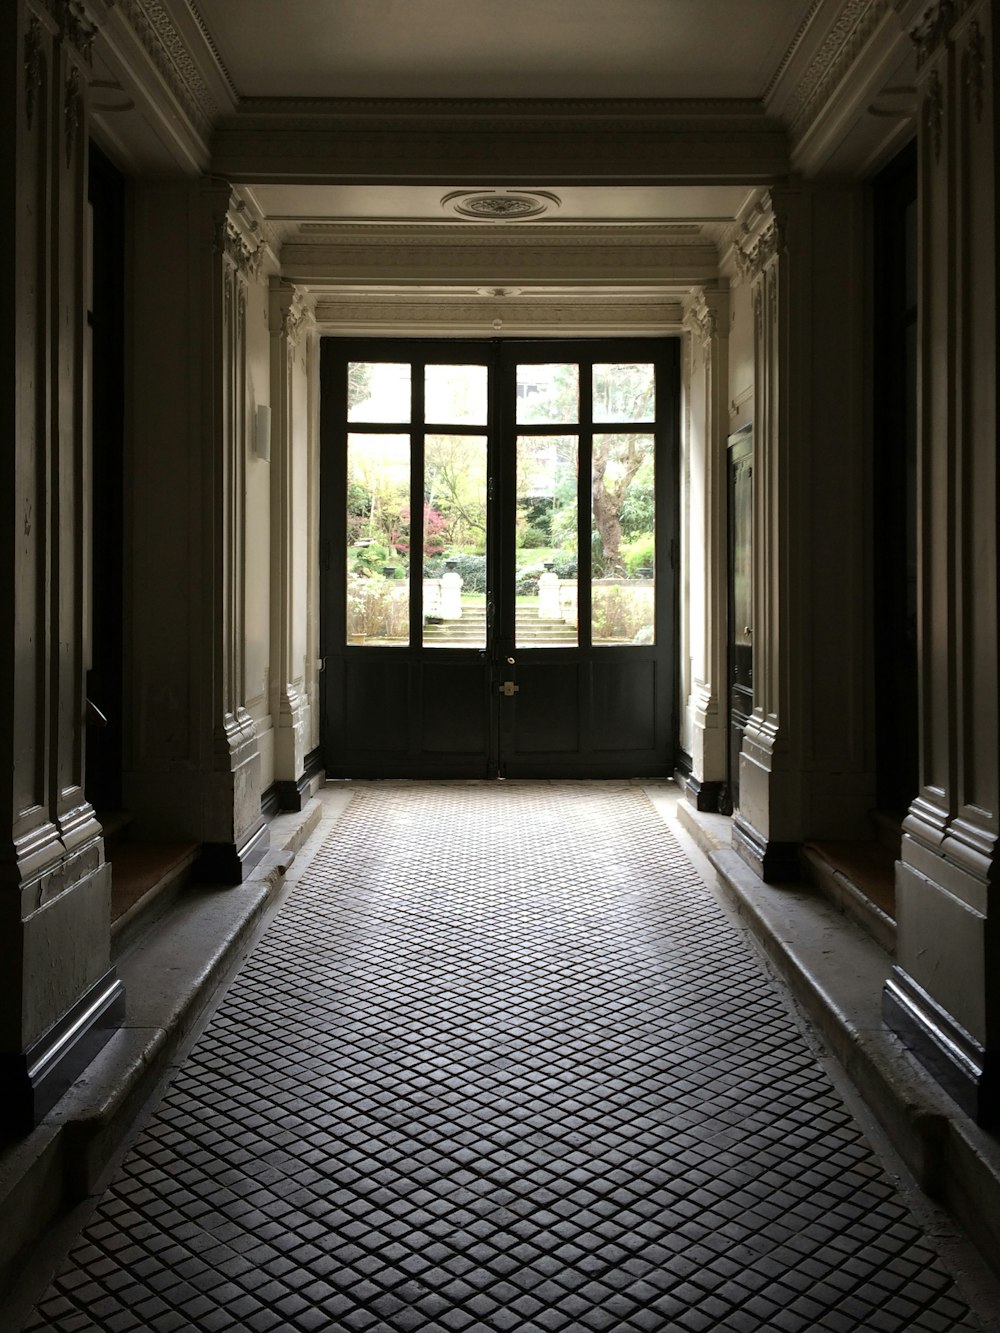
(942, 998)
(291, 320)
(706, 321)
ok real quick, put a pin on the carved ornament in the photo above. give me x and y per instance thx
(700, 318)
(240, 239)
(932, 27)
(32, 67)
(975, 68)
(934, 114)
(72, 111)
(756, 249)
(297, 317)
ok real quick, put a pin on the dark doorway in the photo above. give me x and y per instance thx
(895, 481)
(524, 624)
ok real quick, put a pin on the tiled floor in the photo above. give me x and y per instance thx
(502, 1063)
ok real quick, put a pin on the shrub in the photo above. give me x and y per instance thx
(639, 553)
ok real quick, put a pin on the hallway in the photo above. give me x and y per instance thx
(502, 1062)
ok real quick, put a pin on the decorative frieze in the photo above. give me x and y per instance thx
(153, 25)
(855, 24)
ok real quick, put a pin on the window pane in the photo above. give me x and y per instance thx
(624, 392)
(548, 394)
(623, 552)
(454, 555)
(378, 539)
(456, 395)
(378, 391)
(546, 553)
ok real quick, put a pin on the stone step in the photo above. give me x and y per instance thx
(859, 879)
(170, 973)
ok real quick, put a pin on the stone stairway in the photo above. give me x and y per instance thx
(470, 631)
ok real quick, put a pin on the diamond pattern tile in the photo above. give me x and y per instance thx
(501, 1063)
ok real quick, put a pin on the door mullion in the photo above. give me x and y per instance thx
(416, 504)
(584, 561)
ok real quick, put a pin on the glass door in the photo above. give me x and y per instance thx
(522, 624)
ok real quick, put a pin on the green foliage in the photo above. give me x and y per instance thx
(377, 608)
(472, 568)
(563, 563)
(621, 614)
(639, 553)
(533, 539)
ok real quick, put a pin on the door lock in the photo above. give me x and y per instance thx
(508, 689)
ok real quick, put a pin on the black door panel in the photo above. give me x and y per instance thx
(451, 649)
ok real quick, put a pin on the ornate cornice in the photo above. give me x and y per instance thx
(791, 49)
(153, 25)
(855, 24)
(446, 231)
(216, 54)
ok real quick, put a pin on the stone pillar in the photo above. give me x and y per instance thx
(290, 319)
(59, 996)
(806, 768)
(943, 998)
(706, 321)
(192, 765)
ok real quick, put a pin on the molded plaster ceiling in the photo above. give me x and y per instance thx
(417, 203)
(502, 48)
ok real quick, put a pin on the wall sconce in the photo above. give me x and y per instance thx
(262, 433)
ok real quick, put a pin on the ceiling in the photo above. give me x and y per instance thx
(503, 48)
(307, 92)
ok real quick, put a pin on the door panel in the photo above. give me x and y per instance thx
(454, 708)
(524, 623)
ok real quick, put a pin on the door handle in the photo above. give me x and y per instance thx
(508, 689)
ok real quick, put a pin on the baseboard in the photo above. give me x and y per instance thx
(774, 862)
(35, 1079)
(227, 863)
(956, 1060)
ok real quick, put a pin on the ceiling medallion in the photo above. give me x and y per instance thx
(500, 205)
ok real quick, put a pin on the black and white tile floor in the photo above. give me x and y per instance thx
(502, 1063)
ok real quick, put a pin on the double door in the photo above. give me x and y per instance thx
(497, 538)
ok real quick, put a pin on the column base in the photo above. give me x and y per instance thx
(227, 863)
(35, 1079)
(958, 1062)
(708, 797)
(774, 862)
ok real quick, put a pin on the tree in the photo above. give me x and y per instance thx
(616, 462)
